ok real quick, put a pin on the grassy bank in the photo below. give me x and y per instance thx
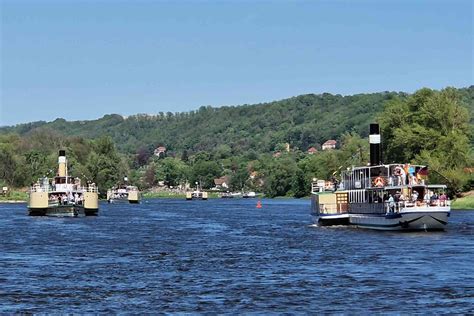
(14, 196)
(163, 195)
(464, 203)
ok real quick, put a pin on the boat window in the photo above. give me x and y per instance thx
(375, 196)
(378, 171)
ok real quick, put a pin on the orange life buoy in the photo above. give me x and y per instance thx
(379, 182)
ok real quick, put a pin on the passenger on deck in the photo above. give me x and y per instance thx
(442, 199)
(391, 203)
(426, 198)
(414, 196)
(402, 197)
(434, 199)
(401, 175)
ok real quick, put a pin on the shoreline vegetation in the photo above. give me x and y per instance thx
(466, 202)
(276, 148)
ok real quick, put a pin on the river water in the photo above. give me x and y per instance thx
(227, 256)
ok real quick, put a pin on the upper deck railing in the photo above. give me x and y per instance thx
(49, 188)
(378, 208)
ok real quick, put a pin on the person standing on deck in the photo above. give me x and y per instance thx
(426, 198)
(391, 203)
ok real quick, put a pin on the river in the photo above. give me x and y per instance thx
(227, 256)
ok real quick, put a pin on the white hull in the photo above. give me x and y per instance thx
(419, 218)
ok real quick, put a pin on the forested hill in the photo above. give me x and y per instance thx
(302, 121)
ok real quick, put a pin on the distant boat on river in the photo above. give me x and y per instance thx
(123, 193)
(197, 194)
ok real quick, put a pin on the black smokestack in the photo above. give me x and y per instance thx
(62, 153)
(375, 149)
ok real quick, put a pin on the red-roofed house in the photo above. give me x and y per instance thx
(160, 151)
(330, 144)
(222, 182)
(312, 150)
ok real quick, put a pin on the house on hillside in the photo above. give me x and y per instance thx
(221, 183)
(160, 151)
(330, 144)
(312, 150)
(277, 154)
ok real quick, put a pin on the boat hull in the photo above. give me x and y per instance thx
(63, 211)
(333, 220)
(425, 220)
(123, 201)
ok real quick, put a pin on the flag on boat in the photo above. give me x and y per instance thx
(423, 171)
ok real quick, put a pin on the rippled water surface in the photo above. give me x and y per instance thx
(226, 256)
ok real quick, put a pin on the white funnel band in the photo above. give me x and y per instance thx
(374, 139)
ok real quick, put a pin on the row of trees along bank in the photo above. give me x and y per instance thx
(428, 127)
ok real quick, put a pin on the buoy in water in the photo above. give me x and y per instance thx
(259, 204)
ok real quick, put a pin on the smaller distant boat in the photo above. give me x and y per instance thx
(231, 195)
(227, 195)
(248, 195)
(197, 194)
(124, 193)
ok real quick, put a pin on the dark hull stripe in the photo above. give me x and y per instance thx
(404, 224)
(439, 221)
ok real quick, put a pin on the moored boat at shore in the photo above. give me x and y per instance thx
(63, 195)
(197, 194)
(124, 193)
(249, 195)
(383, 196)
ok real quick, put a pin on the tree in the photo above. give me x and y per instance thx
(204, 172)
(432, 128)
(142, 156)
(172, 171)
(7, 165)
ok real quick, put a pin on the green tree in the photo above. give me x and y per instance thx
(204, 172)
(430, 127)
(172, 171)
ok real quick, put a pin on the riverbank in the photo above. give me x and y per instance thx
(14, 197)
(173, 195)
(464, 203)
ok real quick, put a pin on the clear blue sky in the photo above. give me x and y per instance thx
(83, 59)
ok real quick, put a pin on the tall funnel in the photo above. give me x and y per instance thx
(62, 163)
(375, 149)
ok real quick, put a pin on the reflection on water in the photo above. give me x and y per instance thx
(226, 256)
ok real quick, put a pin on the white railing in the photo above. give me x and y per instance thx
(74, 188)
(378, 208)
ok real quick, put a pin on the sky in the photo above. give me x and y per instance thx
(80, 60)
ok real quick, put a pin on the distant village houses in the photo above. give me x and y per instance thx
(312, 150)
(330, 144)
(160, 151)
(222, 183)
